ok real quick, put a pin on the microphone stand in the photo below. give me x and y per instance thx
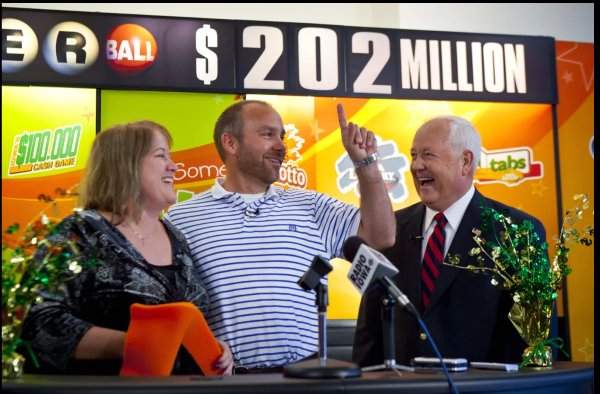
(389, 346)
(322, 368)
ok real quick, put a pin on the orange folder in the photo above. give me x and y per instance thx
(157, 331)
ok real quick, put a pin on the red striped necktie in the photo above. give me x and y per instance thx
(432, 260)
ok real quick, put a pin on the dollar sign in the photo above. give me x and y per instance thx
(207, 69)
(22, 149)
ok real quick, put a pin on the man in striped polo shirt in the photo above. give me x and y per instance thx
(252, 241)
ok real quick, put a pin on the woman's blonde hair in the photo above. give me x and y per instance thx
(112, 175)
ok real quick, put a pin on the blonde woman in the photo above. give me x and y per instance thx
(127, 183)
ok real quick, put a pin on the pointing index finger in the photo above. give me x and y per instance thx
(342, 117)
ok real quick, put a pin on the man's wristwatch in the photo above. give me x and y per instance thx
(367, 160)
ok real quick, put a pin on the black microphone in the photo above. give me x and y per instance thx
(321, 367)
(416, 238)
(252, 213)
(318, 269)
(369, 268)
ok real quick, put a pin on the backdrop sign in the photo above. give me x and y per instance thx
(575, 65)
(47, 135)
(181, 54)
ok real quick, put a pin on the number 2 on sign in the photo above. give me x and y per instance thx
(365, 83)
(256, 78)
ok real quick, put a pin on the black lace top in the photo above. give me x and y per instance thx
(101, 295)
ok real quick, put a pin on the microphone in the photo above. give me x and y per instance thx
(321, 367)
(252, 213)
(318, 269)
(369, 268)
(415, 238)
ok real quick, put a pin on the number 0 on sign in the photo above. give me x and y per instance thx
(308, 38)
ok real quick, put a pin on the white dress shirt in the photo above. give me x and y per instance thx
(454, 215)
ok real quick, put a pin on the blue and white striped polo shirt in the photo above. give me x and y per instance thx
(250, 259)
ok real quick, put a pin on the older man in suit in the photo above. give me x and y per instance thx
(465, 313)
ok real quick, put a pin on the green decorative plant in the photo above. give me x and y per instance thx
(25, 278)
(521, 266)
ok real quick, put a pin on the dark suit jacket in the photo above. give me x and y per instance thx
(466, 315)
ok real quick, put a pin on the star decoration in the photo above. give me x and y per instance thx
(419, 115)
(568, 77)
(588, 350)
(569, 57)
(539, 188)
(315, 130)
(88, 113)
(218, 98)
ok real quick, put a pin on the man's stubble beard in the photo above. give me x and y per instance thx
(257, 167)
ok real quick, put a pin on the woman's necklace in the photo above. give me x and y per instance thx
(136, 233)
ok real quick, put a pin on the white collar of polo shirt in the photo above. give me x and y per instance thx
(219, 192)
(454, 213)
